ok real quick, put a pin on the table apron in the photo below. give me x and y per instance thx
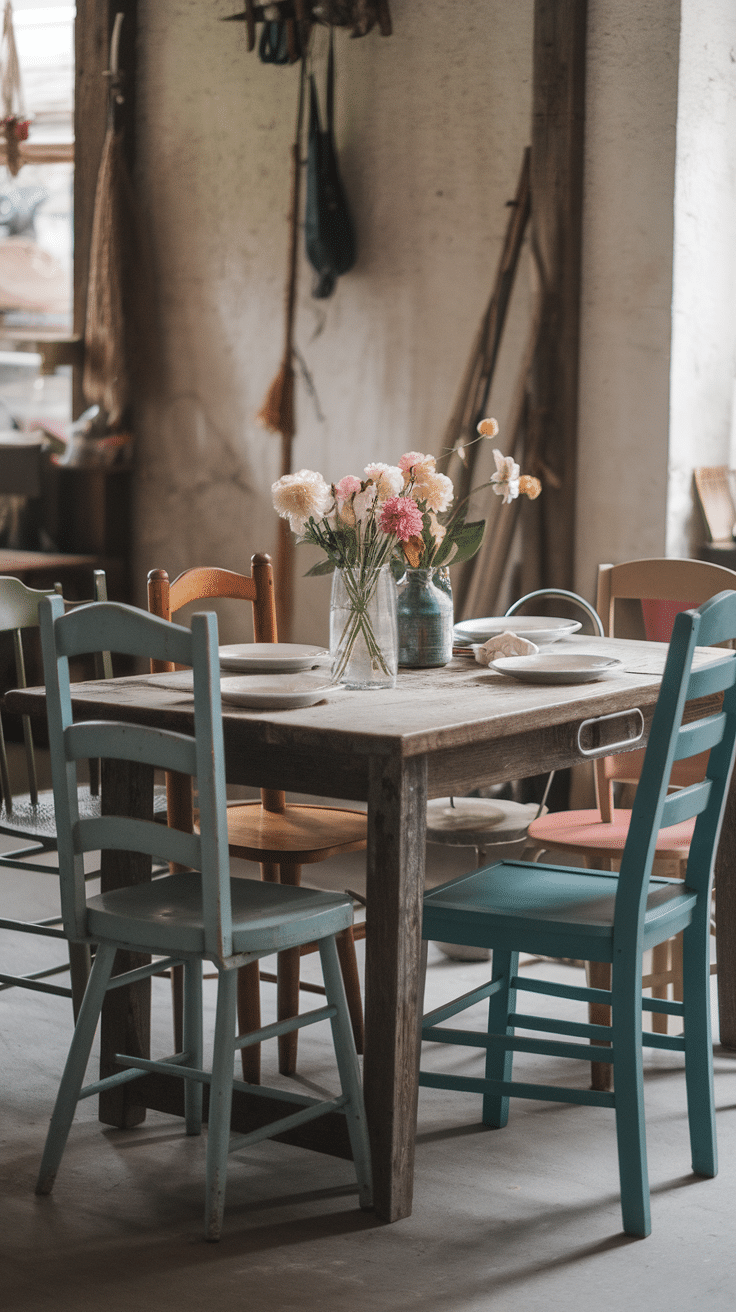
(346, 775)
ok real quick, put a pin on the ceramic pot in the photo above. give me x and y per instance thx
(425, 618)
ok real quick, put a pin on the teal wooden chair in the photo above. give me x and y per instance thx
(184, 918)
(595, 915)
(28, 817)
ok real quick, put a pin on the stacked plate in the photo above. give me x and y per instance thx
(275, 675)
(536, 628)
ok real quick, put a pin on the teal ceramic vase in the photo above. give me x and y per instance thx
(425, 618)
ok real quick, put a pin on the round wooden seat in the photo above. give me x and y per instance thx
(301, 834)
(478, 821)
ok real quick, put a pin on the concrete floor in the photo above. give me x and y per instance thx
(527, 1217)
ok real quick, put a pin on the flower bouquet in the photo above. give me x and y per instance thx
(401, 513)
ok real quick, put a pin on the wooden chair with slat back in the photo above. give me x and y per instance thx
(280, 836)
(200, 914)
(29, 817)
(637, 599)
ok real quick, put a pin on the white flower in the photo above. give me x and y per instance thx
(506, 478)
(389, 479)
(300, 497)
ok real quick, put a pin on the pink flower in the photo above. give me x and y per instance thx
(412, 458)
(402, 516)
(347, 486)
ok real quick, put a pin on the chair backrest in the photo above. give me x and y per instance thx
(19, 611)
(165, 599)
(129, 631)
(641, 599)
(714, 735)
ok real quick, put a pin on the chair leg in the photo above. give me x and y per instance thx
(287, 989)
(351, 979)
(221, 1093)
(698, 1049)
(76, 1065)
(499, 1062)
(599, 977)
(661, 966)
(177, 1006)
(192, 1044)
(80, 964)
(629, 1102)
(347, 1065)
(249, 1019)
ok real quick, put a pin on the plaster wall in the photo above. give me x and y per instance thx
(431, 126)
(704, 296)
(629, 180)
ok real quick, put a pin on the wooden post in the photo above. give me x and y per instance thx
(558, 111)
(92, 32)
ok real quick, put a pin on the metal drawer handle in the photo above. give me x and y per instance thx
(609, 749)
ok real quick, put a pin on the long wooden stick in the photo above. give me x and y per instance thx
(474, 391)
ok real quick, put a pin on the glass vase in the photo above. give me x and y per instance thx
(363, 629)
(425, 616)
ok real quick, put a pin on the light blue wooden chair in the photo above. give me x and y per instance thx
(556, 911)
(28, 817)
(199, 914)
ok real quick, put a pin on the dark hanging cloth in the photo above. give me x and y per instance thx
(328, 226)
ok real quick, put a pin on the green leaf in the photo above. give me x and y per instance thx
(461, 544)
(322, 567)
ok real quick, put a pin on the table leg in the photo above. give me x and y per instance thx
(397, 820)
(726, 922)
(127, 789)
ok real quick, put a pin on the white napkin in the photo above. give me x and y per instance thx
(504, 644)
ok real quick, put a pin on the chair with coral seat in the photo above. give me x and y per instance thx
(639, 598)
(281, 837)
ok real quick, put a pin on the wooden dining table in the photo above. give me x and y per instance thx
(438, 732)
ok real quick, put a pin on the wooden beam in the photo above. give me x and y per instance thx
(558, 114)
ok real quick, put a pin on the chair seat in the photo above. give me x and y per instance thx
(478, 821)
(39, 821)
(586, 829)
(549, 910)
(165, 916)
(300, 835)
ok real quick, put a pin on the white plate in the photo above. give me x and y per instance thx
(537, 628)
(276, 692)
(550, 668)
(271, 657)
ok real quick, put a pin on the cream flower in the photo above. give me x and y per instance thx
(437, 530)
(505, 481)
(434, 489)
(488, 427)
(300, 497)
(389, 479)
